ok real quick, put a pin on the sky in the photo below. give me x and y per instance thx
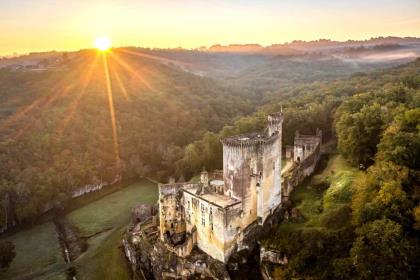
(41, 25)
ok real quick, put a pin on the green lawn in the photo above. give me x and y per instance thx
(38, 251)
(104, 259)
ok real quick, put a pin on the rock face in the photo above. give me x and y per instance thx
(272, 256)
(151, 258)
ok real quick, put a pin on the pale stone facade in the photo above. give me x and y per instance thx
(216, 211)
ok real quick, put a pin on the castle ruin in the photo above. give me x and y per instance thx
(214, 213)
(226, 212)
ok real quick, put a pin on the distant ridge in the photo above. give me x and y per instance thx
(298, 46)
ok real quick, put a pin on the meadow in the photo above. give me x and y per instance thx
(38, 253)
(106, 219)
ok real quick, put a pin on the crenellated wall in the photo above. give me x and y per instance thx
(307, 151)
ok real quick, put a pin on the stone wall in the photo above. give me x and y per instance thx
(172, 220)
(209, 222)
(183, 250)
(306, 154)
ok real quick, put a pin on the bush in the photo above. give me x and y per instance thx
(340, 189)
(336, 218)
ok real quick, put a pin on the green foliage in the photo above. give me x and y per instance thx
(382, 128)
(339, 190)
(381, 251)
(401, 140)
(380, 193)
(7, 254)
(359, 133)
(336, 218)
(362, 119)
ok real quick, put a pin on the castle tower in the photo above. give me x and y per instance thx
(204, 178)
(275, 122)
(251, 169)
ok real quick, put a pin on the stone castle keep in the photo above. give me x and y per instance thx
(214, 213)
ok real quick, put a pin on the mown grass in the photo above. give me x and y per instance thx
(104, 259)
(38, 253)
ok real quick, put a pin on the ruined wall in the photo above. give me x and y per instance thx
(308, 149)
(183, 250)
(171, 214)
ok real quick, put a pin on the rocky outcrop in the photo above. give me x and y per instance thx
(272, 256)
(150, 258)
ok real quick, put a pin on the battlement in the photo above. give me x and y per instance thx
(268, 136)
(250, 139)
(275, 117)
(173, 188)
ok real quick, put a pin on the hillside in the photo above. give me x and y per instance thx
(74, 125)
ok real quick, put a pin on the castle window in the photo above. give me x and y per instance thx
(203, 221)
(194, 202)
(211, 219)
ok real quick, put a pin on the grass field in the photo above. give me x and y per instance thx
(104, 259)
(38, 254)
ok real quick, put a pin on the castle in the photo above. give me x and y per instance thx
(214, 213)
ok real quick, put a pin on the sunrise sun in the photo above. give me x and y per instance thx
(102, 43)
